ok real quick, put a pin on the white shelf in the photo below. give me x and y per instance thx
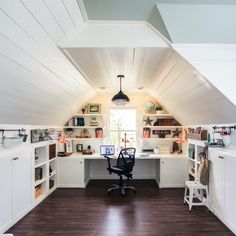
(162, 127)
(40, 164)
(88, 115)
(53, 159)
(37, 182)
(84, 127)
(191, 159)
(164, 139)
(85, 138)
(159, 115)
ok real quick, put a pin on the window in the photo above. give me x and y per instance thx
(123, 127)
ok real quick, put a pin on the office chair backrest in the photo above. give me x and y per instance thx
(126, 159)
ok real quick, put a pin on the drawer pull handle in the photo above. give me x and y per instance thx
(15, 158)
(221, 157)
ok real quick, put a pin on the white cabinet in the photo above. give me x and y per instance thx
(22, 180)
(216, 186)
(15, 185)
(173, 172)
(6, 191)
(222, 186)
(230, 191)
(71, 172)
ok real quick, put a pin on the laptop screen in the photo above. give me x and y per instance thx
(107, 150)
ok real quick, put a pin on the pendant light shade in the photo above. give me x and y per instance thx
(120, 99)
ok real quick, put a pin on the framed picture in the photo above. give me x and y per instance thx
(94, 108)
(79, 147)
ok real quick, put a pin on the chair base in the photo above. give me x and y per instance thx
(123, 189)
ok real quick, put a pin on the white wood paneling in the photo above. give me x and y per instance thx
(38, 84)
(102, 65)
(61, 15)
(190, 97)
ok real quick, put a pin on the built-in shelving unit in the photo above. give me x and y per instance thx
(85, 130)
(160, 130)
(195, 147)
(44, 169)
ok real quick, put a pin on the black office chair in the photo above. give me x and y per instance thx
(123, 167)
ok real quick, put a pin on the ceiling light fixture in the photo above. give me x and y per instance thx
(120, 99)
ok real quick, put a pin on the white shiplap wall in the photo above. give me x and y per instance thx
(38, 84)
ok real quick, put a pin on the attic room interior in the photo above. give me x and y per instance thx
(117, 117)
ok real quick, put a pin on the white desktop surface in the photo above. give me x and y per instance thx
(140, 156)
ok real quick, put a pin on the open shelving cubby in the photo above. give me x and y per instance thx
(44, 169)
(195, 147)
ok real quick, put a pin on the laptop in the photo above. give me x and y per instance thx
(107, 150)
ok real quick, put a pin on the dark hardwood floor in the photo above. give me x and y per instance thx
(91, 212)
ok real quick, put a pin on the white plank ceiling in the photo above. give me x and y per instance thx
(40, 85)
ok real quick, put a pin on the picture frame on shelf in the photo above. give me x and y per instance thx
(94, 108)
(93, 121)
(79, 147)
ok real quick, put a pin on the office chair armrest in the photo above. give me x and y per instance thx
(108, 162)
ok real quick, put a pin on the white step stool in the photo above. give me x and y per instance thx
(195, 191)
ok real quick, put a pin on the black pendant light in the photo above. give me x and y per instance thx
(120, 99)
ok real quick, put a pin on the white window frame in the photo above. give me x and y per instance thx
(136, 130)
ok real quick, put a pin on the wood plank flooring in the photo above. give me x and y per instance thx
(91, 212)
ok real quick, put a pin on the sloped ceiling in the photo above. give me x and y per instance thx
(41, 85)
(38, 84)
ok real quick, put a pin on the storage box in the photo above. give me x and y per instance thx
(38, 191)
(200, 136)
(38, 173)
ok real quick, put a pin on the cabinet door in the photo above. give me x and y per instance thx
(22, 182)
(70, 172)
(230, 191)
(5, 191)
(173, 172)
(216, 183)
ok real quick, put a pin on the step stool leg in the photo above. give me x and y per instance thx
(185, 193)
(190, 198)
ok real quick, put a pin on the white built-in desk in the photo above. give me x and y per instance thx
(169, 170)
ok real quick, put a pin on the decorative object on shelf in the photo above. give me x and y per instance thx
(156, 123)
(161, 133)
(50, 170)
(93, 121)
(150, 107)
(146, 132)
(176, 133)
(120, 99)
(98, 132)
(79, 147)
(197, 133)
(84, 134)
(80, 121)
(64, 154)
(94, 108)
(54, 134)
(175, 147)
(88, 151)
(148, 121)
(38, 191)
(69, 146)
(84, 109)
(69, 132)
(39, 135)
